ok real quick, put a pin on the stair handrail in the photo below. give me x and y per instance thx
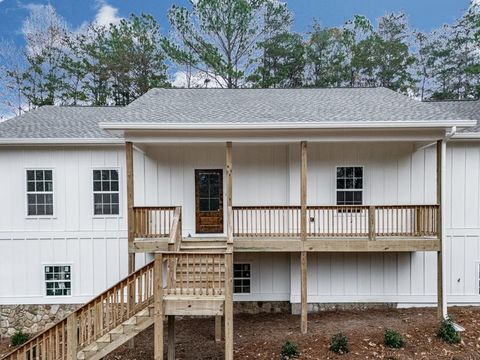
(175, 239)
(67, 332)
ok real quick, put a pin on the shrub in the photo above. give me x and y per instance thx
(289, 350)
(447, 332)
(18, 338)
(339, 344)
(393, 339)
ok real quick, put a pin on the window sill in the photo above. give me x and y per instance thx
(36, 217)
(107, 217)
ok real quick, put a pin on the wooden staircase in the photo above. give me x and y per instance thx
(198, 282)
(117, 336)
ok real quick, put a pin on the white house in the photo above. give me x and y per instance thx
(323, 196)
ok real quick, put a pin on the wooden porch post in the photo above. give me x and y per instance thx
(441, 168)
(130, 204)
(228, 308)
(303, 233)
(158, 307)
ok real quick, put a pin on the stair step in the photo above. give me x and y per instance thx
(206, 238)
(218, 249)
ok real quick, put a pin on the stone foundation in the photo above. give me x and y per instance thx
(261, 307)
(31, 318)
(319, 307)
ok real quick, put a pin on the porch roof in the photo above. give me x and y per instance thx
(279, 108)
(466, 109)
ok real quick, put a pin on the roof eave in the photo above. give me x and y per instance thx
(122, 126)
(467, 136)
(61, 141)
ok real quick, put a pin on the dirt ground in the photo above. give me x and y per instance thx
(261, 336)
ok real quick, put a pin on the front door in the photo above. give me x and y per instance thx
(209, 201)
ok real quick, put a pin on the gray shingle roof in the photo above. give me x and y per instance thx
(468, 110)
(194, 106)
(55, 122)
(242, 106)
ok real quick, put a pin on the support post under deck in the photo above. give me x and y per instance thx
(303, 234)
(441, 279)
(228, 308)
(158, 307)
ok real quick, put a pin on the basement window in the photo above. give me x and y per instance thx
(58, 280)
(39, 192)
(349, 185)
(241, 278)
(106, 194)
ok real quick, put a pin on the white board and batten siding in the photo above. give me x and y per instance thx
(395, 176)
(94, 246)
(267, 174)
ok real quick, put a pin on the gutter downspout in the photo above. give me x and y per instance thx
(443, 175)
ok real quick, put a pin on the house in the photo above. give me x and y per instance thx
(282, 197)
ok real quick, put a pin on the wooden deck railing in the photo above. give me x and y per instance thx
(360, 221)
(91, 321)
(195, 273)
(266, 221)
(153, 221)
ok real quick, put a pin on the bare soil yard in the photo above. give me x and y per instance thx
(261, 336)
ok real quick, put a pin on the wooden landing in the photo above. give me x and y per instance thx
(194, 305)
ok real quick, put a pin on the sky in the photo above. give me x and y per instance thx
(424, 15)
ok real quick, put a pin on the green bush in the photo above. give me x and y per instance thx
(339, 344)
(18, 338)
(393, 339)
(447, 332)
(289, 350)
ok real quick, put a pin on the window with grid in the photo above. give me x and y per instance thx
(58, 280)
(106, 192)
(349, 185)
(39, 192)
(241, 278)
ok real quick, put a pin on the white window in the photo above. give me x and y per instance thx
(106, 192)
(58, 280)
(39, 192)
(241, 278)
(349, 185)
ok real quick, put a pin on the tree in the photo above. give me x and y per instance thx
(41, 82)
(115, 64)
(221, 37)
(282, 63)
(326, 52)
(136, 60)
(393, 61)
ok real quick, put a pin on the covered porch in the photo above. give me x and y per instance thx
(290, 196)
